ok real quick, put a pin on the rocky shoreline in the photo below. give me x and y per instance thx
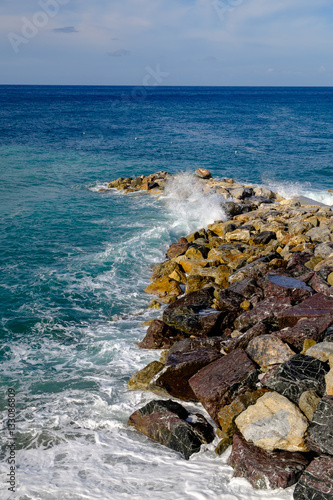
(247, 331)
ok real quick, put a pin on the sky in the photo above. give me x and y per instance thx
(167, 42)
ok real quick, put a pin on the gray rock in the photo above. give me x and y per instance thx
(316, 482)
(324, 250)
(299, 374)
(320, 432)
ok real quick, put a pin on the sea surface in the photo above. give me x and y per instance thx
(75, 261)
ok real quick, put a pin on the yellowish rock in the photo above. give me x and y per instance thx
(308, 403)
(329, 382)
(141, 379)
(330, 279)
(246, 305)
(163, 287)
(307, 344)
(321, 351)
(178, 276)
(194, 254)
(273, 423)
(311, 264)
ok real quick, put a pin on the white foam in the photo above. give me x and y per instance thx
(290, 189)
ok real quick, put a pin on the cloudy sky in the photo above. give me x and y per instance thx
(177, 42)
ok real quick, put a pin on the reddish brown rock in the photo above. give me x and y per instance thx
(172, 425)
(266, 469)
(185, 359)
(160, 336)
(308, 328)
(217, 384)
(314, 307)
(177, 249)
(243, 340)
(316, 482)
(269, 308)
(279, 285)
(321, 286)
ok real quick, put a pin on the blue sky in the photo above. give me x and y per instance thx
(176, 42)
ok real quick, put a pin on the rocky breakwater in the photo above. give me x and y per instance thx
(247, 328)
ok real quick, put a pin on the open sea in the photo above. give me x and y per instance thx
(75, 261)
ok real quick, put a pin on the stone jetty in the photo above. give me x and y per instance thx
(247, 330)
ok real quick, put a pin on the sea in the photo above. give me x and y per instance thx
(75, 261)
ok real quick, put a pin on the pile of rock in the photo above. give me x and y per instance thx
(248, 325)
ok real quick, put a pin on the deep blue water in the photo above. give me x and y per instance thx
(73, 259)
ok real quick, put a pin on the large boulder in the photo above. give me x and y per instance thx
(320, 434)
(274, 423)
(172, 425)
(269, 308)
(306, 328)
(163, 287)
(278, 285)
(218, 383)
(160, 336)
(265, 469)
(185, 359)
(313, 307)
(321, 351)
(203, 323)
(299, 374)
(316, 482)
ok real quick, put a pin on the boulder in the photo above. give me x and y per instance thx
(164, 269)
(308, 403)
(320, 432)
(203, 173)
(320, 234)
(172, 425)
(268, 351)
(263, 238)
(322, 351)
(185, 359)
(320, 285)
(329, 382)
(232, 209)
(265, 469)
(177, 249)
(218, 383)
(141, 379)
(307, 328)
(264, 192)
(187, 319)
(278, 285)
(163, 287)
(242, 340)
(202, 299)
(324, 250)
(269, 308)
(301, 373)
(274, 422)
(316, 482)
(313, 307)
(227, 415)
(160, 336)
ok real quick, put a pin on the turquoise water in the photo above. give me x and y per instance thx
(74, 263)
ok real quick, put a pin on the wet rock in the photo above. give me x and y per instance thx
(218, 383)
(190, 320)
(308, 403)
(227, 415)
(246, 288)
(177, 249)
(268, 351)
(314, 307)
(141, 379)
(301, 373)
(322, 351)
(274, 422)
(242, 340)
(164, 269)
(265, 469)
(163, 287)
(307, 328)
(316, 482)
(279, 285)
(231, 208)
(263, 238)
(203, 173)
(320, 432)
(269, 308)
(160, 336)
(172, 425)
(185, 359)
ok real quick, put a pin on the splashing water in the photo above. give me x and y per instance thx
(190, 204)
